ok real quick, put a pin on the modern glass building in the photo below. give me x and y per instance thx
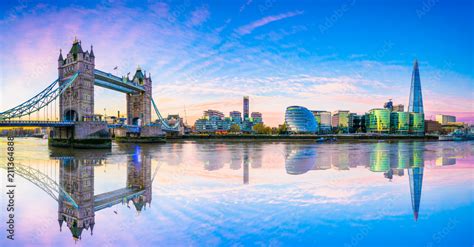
(400, 122)
(300, 120)
(379, 121)
(340, 119)
(323, 118)
(416, 98)
(417, 123)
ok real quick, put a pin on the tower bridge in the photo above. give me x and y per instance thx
(72, 97)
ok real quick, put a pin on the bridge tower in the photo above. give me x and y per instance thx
(139, 177)
(77, 102)
(139, 104)
(76, 176)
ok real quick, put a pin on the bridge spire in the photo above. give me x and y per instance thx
(60, 55)
(92, 51)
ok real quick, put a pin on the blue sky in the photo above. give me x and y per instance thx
(326, 55)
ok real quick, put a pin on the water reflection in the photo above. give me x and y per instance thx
(391, 159)
(76, 177)
(201, 193)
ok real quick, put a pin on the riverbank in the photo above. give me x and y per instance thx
(319, 138)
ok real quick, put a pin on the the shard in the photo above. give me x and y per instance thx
(416, 181)
(416, 99)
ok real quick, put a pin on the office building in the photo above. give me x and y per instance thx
(378, 121)
(400, 122)
(235, 116)
(432, 126)
(300, 120)
(417, 123)
(256, 117)
(445, 119)
(358, 124)
(340, 120)
(416, 99)
(323, 118)
(398, 108)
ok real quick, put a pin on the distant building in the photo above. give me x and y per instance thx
(388, 105)
(398, 108)
(445, 119)
(300, 120)
(256, 117)
(246, 107)
(432, 126)
(323, 118)
(211, 121)
(340, 119)
(215, 121)
(213, 113)
(235, 116)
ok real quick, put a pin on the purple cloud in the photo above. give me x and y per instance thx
(243, 30)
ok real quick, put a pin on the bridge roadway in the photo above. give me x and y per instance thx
(111, 198)
(33, 123)
(107, 80)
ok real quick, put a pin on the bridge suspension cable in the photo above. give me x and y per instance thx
(42, 181)
(162, 120)
(39, 101)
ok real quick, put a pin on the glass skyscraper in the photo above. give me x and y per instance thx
(416, 99)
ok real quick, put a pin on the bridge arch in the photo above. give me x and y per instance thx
(71, 116)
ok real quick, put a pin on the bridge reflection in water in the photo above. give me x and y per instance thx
(76, 177)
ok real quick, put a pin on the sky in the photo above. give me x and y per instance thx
(324, 55)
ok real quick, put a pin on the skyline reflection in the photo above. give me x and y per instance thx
(226, 184)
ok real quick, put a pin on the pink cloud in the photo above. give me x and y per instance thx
(266, 20)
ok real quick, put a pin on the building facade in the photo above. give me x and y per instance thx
(340, 120)
(417, 123)
(400, 122)
(256, 117)
(445, 119)
(300, 120)
(323, 118)
(378, 121)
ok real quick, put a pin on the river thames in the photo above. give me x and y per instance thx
(252, 193)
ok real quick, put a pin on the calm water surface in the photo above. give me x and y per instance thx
(209, 193)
